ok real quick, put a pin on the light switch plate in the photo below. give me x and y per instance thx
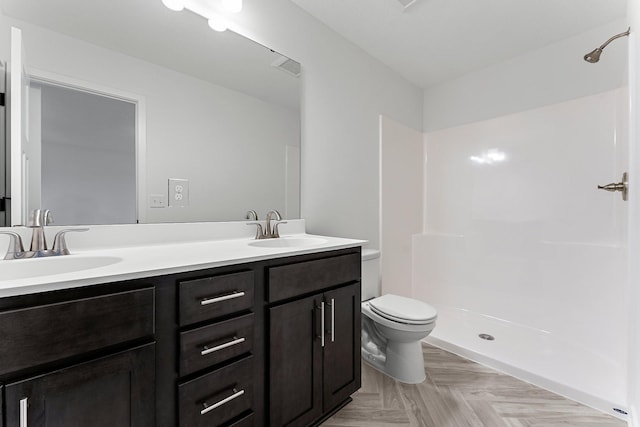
(178, 192)
(157, 201)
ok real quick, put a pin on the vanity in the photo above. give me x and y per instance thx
(184, 334)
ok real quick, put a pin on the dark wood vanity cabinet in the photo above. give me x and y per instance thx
(116, 390)
(341, 367)
(268, 343)
(79, 357)
(217, 366)
(314, 341)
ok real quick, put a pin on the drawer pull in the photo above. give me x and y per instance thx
(24, 404)
(233, 295)
(208, 408)
(206, 350)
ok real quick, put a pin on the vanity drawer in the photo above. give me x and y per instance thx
(46, 333)
(312, 276)
(215, 398)
(215, 343)
(215, 296)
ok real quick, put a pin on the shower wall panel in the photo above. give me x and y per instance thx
(516, 229)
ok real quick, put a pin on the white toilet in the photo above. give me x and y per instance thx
(392, 326)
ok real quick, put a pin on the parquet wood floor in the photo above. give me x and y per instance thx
(460, 393)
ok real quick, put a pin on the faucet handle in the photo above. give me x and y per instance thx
(60, 243)
(276, 233)
(15, 249)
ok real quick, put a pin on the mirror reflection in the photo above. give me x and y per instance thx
(222, 117)
(87, 158)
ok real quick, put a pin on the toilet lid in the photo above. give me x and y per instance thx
(402, 309)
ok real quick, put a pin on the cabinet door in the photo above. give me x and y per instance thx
(342, 345)
(117, 390)
(295, 369)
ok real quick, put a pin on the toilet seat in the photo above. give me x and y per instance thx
(403, 310)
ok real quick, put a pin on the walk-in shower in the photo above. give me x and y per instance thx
(507, 252)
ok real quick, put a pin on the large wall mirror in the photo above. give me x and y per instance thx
(123, 98)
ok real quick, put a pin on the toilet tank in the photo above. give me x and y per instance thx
(370, 273)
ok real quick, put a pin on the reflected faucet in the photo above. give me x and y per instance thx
(251, 215)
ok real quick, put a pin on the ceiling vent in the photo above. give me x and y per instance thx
(407, 3)
(287, 65)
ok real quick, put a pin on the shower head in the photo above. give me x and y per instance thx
(594, 55)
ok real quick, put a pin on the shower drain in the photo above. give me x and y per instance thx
(486, 337)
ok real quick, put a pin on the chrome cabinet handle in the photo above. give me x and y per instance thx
(206, 350)
(233, 295)
(333, 320)
(322, 323)
(24, 403)
(208, 408)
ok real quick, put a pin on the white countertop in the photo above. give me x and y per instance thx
(111, 264)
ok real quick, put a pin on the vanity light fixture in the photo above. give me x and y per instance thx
(216, 12)
(176, 5)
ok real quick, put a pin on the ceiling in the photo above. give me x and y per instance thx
(146, 29)
(436, 40)
(430, 42)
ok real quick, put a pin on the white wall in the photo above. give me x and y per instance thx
(402, 168)
(633, 295)
(195, 130)
(344, 93)
(552, 74)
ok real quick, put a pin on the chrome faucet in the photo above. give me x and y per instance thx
(269, 232)
(37, 221)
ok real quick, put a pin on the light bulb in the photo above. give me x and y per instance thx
(232, 6)
(176, 5)
(218, 23)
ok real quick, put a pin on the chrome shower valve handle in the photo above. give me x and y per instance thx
(622, 186)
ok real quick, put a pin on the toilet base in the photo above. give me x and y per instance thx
(403, 362)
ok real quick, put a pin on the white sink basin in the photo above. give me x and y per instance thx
(288, 242)
(35, 267)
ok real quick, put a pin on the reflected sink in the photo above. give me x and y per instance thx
(37, 267)
(288, 242)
